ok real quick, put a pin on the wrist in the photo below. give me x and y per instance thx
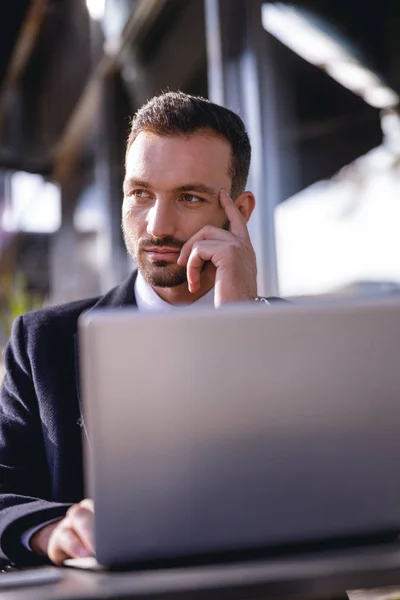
(39, 542)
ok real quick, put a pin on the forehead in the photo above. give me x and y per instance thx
(201, 157)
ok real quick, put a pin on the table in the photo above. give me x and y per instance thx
(326, 574)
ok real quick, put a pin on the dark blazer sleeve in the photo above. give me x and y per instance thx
(24, 473)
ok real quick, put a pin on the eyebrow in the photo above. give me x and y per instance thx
(196, 187)
(187, 187)
(134, 182)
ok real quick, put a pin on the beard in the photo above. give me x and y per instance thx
(157, 273)
(161, 273)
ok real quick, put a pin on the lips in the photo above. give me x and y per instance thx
(162, 253)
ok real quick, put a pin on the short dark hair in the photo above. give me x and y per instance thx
(176, 113)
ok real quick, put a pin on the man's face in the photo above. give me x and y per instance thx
(171, 191)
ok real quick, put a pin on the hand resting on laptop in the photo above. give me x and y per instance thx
(70, 537)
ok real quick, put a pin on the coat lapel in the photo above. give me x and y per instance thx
(122, 295)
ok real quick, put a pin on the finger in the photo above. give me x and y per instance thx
(72, 544)
(201, 252)
(238, 225)
(87, 503)
(65, 543)
(205, 233)
(80, 518)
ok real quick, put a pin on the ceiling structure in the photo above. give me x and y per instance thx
(51, 75)
(12, 15)
(322, 108)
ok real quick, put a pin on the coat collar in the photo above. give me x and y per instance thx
(121, 295)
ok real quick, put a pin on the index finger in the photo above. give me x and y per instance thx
(238, 225)
(82, 522)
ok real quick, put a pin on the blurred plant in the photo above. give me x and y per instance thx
(15, 299)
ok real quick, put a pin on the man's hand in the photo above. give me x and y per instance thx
(71, 537)
(230, 255)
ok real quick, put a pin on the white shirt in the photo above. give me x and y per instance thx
(148, 300)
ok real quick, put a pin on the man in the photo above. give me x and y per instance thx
(185, 211)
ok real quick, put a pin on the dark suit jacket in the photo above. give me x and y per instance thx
(40, 420)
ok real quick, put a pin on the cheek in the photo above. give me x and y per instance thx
(128, 208)
(194, 221)
(215, 217)
(133, 218)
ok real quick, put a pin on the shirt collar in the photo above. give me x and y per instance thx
(148, 300)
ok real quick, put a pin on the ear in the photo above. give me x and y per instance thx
(245, 203)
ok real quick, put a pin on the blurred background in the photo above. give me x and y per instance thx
(316, 82)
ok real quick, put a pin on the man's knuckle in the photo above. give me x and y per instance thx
(233, 249)
(73, 510)
(87, 503)
(64, 532)
(78, 514)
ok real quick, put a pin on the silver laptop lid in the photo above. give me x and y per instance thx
(239, 428)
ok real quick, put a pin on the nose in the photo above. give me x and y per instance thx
(161, 220)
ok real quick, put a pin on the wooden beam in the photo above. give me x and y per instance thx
(83, 117)
(22, 53)
(77, 128)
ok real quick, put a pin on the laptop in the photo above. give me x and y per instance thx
(247, 431)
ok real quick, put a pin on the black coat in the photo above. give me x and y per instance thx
(40, 420)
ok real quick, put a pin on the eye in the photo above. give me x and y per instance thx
(192, 199)
(139, 194)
